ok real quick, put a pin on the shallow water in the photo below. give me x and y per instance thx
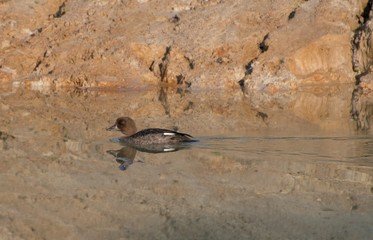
(355, 150)
(62, 178)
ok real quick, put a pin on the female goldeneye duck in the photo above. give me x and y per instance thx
(147, 136)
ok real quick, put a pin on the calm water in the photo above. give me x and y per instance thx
(63, 177)
(347, 150)
(307, 183)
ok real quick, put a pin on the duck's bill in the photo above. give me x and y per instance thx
(113, 152)
(113, 128)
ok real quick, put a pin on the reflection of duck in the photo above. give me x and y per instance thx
(124, 156)
(147, 136)
(158, 148)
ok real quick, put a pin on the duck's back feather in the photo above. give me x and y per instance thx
(158, 136)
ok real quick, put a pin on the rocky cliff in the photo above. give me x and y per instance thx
(283, 55)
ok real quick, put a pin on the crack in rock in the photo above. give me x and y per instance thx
(61, 11)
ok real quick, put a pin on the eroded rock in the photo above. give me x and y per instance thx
(268, 49)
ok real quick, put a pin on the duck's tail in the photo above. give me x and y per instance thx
(188, 138)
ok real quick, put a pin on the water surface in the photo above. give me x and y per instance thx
(62, 178)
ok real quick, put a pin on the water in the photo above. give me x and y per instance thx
(247, 185)
(62, 178)
(355, 150)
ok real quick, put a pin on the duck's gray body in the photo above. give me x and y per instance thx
(157, 136)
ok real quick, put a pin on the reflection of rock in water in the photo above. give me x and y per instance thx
(362, 103)
(163, 99)
(365, 111)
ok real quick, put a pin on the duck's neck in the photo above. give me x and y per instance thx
(129, 131)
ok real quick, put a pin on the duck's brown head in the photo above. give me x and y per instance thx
(124, 124)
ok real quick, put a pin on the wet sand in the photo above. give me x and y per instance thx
(245, 179)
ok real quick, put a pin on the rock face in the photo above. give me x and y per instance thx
(362, 101)
(268, 49)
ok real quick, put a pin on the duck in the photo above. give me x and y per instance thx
(148, 136)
